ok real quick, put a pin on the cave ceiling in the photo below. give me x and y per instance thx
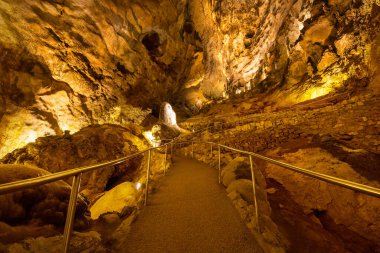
(67, 64)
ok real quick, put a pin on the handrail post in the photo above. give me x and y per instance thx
(171, 151)
(71, 212)
(211, 149)
(166, 155)
(219, 166)
(147, 177)
(192, 149)
(254, 194)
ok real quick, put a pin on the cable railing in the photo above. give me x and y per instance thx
(362, 188)
(77, 173)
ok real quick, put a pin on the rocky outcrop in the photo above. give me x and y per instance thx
(68, 64)
(256, 46)
(345, 207)
(115, 200)
(45, 204)
(91, 145)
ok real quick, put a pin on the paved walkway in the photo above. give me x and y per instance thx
(190, 212)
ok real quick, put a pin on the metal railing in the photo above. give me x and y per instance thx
(77, 173)
(368, 190)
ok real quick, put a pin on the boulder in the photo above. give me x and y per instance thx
(239, 168)
(115, 200)
(46, 204)
(91, 145)
(243, 187)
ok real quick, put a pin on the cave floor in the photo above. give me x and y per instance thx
(189, 212)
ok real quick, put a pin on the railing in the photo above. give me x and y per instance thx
(77, 173)
(369, 190)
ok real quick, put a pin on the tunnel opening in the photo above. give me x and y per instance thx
(151, 42)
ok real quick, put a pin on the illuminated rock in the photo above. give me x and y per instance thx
(115, 200)
(71, 63)
(327, 60)
(89, 146)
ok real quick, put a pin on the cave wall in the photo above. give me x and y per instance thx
(67, 64)
(70, 63)
(297, 49)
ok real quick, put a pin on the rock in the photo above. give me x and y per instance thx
(122, 230)
(271, 190)
(91, 145)
(79, 242)
(319, 32)
(327, 60)
(344, 44)
(46, 204)
(236, 169)
(340, 4)
(345, 207)
(115, 200)
(64, 70)
(243, 187)
(239, 168)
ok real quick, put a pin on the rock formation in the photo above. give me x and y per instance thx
(69, 64)
(45, 204)
(91, 145)
(295, 80)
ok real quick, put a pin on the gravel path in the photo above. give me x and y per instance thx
(190, 212)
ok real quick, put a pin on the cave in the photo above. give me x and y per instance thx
(190, 126)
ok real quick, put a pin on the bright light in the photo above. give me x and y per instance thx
(318, 92)
(150, 138)
(138, 186)
(26, 138)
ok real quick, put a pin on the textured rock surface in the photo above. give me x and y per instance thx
(45, 204)
(80, 242)
(254, 46)
(68, 64)
(355, 211)
(89, 146)
(115, 200)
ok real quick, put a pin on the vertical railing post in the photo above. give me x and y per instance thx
(71, 212)
(166, 155)
(147, 177)
(254, 193)
(192, 149)
(219, 166)
(211, 149)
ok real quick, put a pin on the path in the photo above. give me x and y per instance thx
(190, 212)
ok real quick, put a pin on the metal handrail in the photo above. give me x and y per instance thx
(76, 173)
(369, 190)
